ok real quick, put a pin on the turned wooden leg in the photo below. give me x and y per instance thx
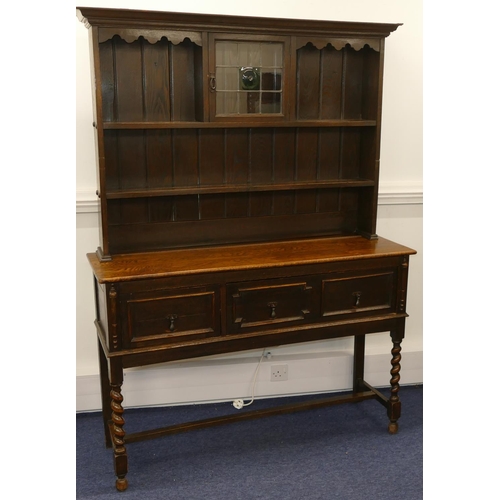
(116, 427)
(118, 435)
(394, 407)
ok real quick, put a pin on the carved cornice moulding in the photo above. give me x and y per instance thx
(130, 19)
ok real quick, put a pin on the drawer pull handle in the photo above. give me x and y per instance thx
(273, 305)
(172, 319)
(357, 298)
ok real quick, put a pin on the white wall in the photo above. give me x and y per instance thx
(314, 367)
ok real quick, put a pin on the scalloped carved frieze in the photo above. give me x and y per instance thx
(339, 43)
(152, 36)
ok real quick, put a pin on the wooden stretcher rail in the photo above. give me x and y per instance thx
(248, 415)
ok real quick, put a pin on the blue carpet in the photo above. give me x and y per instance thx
(342, 451)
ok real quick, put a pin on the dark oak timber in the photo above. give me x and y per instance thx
(258, 256)
(238, 170)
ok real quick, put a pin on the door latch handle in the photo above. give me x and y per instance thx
(212, 84)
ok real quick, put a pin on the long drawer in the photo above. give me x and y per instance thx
(171, 316)
(348, 293)
(264, 304)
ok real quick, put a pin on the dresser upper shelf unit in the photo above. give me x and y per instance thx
(243, 129)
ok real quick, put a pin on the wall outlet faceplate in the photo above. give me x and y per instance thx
(279, 373)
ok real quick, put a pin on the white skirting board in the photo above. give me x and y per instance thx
(213, 380)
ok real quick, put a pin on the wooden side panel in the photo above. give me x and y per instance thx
(107, 67)
(371, 79)
(111, 138)
(366, 202)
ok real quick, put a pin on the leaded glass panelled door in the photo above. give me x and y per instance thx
(247, 77)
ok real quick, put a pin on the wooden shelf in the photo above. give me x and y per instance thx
(242, 188)
(244, 123)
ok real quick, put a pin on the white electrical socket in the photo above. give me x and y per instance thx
(279, 373)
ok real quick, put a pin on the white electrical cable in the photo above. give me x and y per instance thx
(238, 403)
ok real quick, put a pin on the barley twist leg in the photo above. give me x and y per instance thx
(394, 408)
(118, 437)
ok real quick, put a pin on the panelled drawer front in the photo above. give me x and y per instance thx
(267, 303)
(169, 316)
(367, 293)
